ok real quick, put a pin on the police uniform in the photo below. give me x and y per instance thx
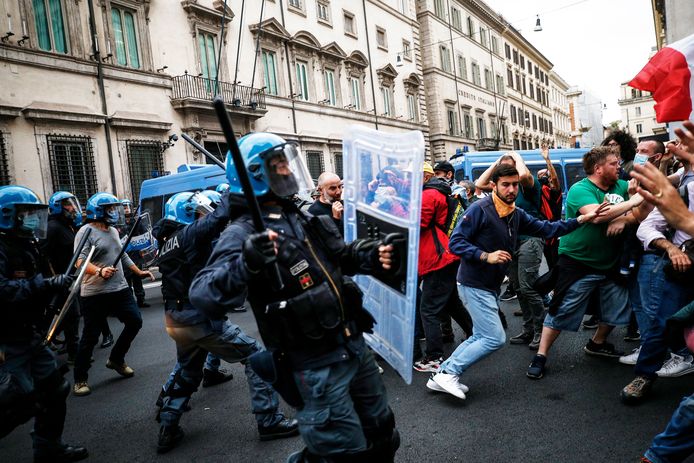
(182, 254)
(313, 326)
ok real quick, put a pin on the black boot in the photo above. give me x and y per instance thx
(169, 437)
(285, 428)
(62, 454)
(212, 378)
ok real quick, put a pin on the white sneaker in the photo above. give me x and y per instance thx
(449, 383)
(630, 359)
(677, 365)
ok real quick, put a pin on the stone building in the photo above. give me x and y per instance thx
(638, 113)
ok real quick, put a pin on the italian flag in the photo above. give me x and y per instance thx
(668, 76)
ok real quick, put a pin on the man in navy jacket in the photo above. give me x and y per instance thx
(485, 239)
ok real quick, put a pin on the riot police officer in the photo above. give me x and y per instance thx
(133, 281)
(64, 220)
(313, 325)
(185, 244)
(36, 387)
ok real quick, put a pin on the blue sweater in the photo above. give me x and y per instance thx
(482, 230)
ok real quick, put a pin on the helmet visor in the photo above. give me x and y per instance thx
(32, 220)
(203, 204)
(286, 172)
(71, 208)
(114, 214)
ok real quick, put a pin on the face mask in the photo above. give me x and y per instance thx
(112, 217)
(31, 222)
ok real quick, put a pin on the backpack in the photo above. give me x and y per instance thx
(550, 204)
(455, 211)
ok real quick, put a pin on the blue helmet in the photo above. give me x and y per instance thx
(22, 213)
(106, 207)
(182, 207)
(214, 197)
(64, 202)
(273, 166)
(222, 187)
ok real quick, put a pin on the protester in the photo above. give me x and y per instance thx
(329, 201)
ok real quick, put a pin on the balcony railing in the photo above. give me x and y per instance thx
(201, 88)
(487, 144)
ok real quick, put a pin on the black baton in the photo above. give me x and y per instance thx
(71, 266)
(127, 241)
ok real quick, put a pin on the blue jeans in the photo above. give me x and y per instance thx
(212, 363)
(661, 298)
(676, 443)
(487, 333)
(95, 310)
(229, 342)
(345, 405)
(614, 304)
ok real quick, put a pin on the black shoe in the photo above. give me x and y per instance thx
(602, 350)
(522, 338)
(212, 378)
(509, 294)
(169, 437)
(285, 428)
(64, 454)
(239, 309)
(591, 323)
(632, 336)
(107, 342)
(143, 305)
(536, 370)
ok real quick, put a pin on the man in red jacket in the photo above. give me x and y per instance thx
(437, 267)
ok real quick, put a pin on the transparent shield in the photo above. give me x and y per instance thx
(382, 197)
(32, 220)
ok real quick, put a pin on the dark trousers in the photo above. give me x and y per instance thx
(437, 288)
(120, 304)
(135, 284)
(70, 327)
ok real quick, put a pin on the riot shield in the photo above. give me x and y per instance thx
(143, 241)
(383, 195)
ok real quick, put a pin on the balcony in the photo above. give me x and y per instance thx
(195, 92)
(487, 144)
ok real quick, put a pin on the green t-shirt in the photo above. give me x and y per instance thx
(589, 243)
(529, 200)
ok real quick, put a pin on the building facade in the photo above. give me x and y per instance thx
(638, 113)
(560, 126)
(585, 118)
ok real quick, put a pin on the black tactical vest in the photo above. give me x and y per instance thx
(174, 268)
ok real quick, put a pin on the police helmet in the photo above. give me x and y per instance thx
(273, 165)
(65, 203)
(222, 187)
(182, 207)
(214, 197)
(107, 208)
(22, 213)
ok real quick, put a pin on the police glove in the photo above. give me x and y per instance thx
(59, 282)
(259, 251)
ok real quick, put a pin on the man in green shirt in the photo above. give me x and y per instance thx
(587, 259)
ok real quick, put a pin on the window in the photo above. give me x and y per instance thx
(507, 50)
(514, 118)
(144, 161)
(337, 164)
(330, 87)
(208, 57)
(445, 58)
(494, 131)
(483, 37)
(402, 7)
(462, 67)
(323, 11)
(467, 125)
(527, 119)
(350, 27)
(525, 91)
(518, 82)
(488, 80)
(50, 27)
(476, 74)
(381, 39)
(386, 94)
(72, 165)
(638, 110)
(302, 80)
(530, 67)
(295, 4)
(406, 50)
(125, 37)
(412, 112)
(495, 45)
(452, 121)
(534, 122)
(522, 61)
(509, 77)
(270, 68)
(532, 91)
(639, 128)
(456, 20)
(440, 9)
(4, 162)
(481, 128)
(314, 162)
(516, 144)
(515, 56)
(500, 84)
(470, 27)
(356, 93)
(633, 93)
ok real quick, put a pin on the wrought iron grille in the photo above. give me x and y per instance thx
(314, 162)
(145, 161)
(72, 165)
(202, 88)
(337, 158)
(4, 161)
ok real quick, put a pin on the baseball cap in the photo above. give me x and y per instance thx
(444, 166)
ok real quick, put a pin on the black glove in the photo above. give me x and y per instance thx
(259, 251)
(59, 282)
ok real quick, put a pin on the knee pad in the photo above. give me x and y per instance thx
(53, 389)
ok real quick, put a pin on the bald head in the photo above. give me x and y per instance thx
(329, 187)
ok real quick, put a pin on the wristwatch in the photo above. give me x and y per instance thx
(484, 256)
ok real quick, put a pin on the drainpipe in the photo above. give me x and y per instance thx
(455, 70)
(371, 68)
(289, 71)
(102, 92)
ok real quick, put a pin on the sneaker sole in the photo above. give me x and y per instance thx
(268, 437)
(425, 369)
(457, 394)
(124, 375)
(602, 354)
(508, 299)
(434, 386)
(678, 374)
(535, 376)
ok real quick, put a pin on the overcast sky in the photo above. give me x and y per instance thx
(594, 44)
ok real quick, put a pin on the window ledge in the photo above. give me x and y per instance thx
(325, 23)
(382, 47)
(351, 34)
(43, 111)
(296, 10)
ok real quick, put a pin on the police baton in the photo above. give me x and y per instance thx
(127, 241)
(258, 222)
(207, 154)
(70, 267)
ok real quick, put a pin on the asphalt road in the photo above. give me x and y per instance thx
(572, 415)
